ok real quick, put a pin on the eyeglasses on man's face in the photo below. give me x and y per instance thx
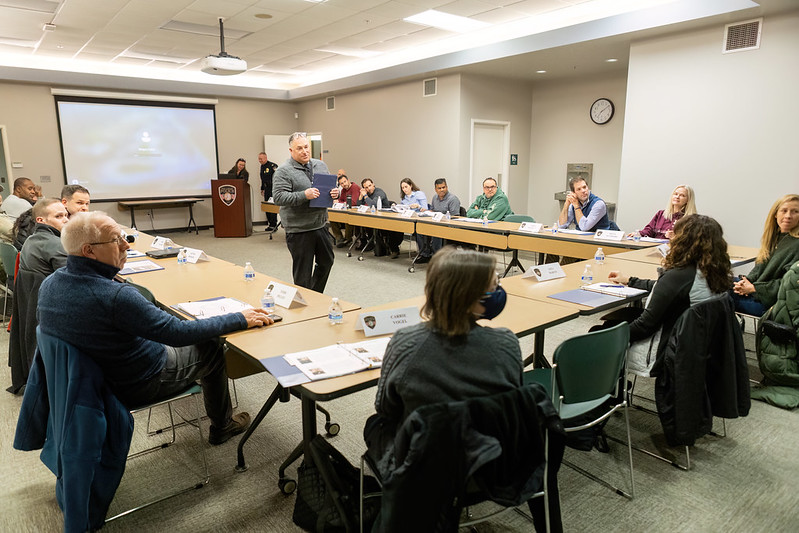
(489, 187)
(119, 240)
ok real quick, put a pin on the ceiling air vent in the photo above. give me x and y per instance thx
(330, 103)
(429, 87)
(742, 36)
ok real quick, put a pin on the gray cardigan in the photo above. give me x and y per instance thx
(288, 191)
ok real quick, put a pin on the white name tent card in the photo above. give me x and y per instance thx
(408, 213)
(545, 272)
(387, 321)
(437, 217)
(530, 227)
(663, 249)
(363, 208)
(193, 255)
(339, 206)
(285, 295)
(609, 235)
(163, 243)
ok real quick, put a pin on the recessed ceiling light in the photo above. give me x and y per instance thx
(445, 21)
(59, 46)
(263, 16)
(540, 71)
(611, 60)
(316, 1)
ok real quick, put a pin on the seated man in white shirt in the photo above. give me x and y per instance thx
(23, 198)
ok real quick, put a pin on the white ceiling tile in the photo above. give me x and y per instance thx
(466, 8)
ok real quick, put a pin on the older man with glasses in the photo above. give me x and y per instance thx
(145, 353)
(492, 204)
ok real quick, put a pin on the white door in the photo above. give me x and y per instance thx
(490, 155)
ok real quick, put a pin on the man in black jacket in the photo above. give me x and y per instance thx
(267, 171)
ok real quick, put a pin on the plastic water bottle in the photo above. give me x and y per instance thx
(599, 256)
(268, 301)
(447, 216)
(637, 236)
(379, 203)
(554, 227)
(249, 272)
(334, 314)
(485, 219)
(588, 276)
(134, 232)
(182, 259)
(372, 210)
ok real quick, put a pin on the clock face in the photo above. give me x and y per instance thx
(602, 111)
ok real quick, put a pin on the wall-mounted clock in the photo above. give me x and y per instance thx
(602, 111)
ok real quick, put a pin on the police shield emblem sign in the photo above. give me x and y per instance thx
(227, 193)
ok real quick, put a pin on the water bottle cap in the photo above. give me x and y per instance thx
(335, 300)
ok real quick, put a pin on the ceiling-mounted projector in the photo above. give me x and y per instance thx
(222, 64)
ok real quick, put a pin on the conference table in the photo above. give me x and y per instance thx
(494, 234)
(542, 290)
(521, 315)
(132, 205)
(739, 255)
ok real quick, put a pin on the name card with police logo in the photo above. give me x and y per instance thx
(663, 249)
(408, 213)
(437, 217)
(388, 321)
(609, 235)
(285, 295)
(545, 272)
(193, 255)
(162, 243)
(363, 208)
(530, 227)
(339, 206)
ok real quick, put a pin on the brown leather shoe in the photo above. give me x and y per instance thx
(238, 424)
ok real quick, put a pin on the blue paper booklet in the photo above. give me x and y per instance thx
(325, 183)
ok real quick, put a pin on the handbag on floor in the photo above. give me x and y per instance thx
(332, 506)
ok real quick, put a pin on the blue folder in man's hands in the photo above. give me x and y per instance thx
(325, 183)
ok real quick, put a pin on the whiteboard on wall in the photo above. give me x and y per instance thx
(277, 148)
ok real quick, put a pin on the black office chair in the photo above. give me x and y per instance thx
(520, 439)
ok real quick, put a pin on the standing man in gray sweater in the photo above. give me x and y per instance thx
(307, 238)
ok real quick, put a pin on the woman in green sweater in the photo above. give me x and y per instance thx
(779, 250)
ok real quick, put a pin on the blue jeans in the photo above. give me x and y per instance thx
(747, 305)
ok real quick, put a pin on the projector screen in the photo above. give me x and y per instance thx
(132, 150)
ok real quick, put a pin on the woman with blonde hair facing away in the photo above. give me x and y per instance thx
(779, 250)
(681, 203)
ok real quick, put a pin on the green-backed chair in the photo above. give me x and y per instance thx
(515, 261)
(518, 218)
(585, 376)
(8, 254)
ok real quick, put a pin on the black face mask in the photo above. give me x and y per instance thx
(494, 303)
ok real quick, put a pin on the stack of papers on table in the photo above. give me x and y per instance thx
(339, 359)
(213, 307)
(621, 291)
(575, 232)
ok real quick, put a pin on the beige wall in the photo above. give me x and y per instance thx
(28, 112)
(501, 100)
(389, 133)
(725, 124)
(562, 132)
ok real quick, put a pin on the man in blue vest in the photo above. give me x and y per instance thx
(586, 210)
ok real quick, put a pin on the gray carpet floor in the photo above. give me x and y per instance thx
(747, 481)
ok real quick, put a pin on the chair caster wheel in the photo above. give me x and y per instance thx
(287, 486)
(411, 270)
(360, 258)
(332, 428)
(349, 254)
